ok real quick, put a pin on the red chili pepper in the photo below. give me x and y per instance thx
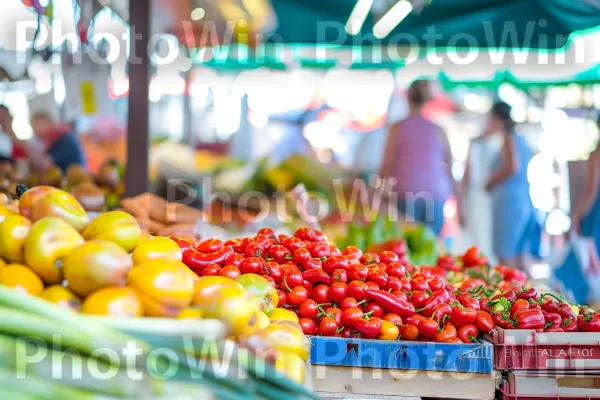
(441, 314)
(519, 304)
(569, 324)
(526, 293)
(391, 303)
(552, 319)
(503, 321)
(317, 275)
(461, 316)
(370, 328)
(484, 322)
(529, 319)
(209, 246)
(467, 300)
(197, 261)
(438, 297)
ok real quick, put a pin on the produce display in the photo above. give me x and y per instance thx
(348, 293)
(95, 193)
(107, 267)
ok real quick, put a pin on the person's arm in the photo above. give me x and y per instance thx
(385, 170)
(510, 164)
(591, 189)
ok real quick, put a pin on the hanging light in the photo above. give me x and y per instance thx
(392, 18)
(357, 18)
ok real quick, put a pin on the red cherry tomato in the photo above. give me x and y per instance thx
(234, 259)
(377, 276)
(292, 279)
(279, 253)
(282, 298)
(266, 232)
(369, 258)
(350, 315)
(318, 236)
(339, 275)
(297, 296)
(319, 250)
(338, 292)
(335, 313)
(353, 250)
(305, 234)
(393, 318)
(231, 272)
(357, 289)
(327, 327)
(255, 250)
(358, 272)
(334, 250)
(335, 262)
(375, 309)
(396, 269)
(211, 270)
(252, 265)
(393, 284)
(307, 285)
(273, 270)
(308, 309)
(320, 294)
(301, 255)
(309, 327)
(292, 243)
(348, 302)
(388, 257)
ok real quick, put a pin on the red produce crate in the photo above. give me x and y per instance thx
(566, 394)
(530, 350)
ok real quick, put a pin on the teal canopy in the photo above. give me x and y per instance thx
(535, 24)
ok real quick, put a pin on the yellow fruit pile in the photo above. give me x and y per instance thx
(109, 267)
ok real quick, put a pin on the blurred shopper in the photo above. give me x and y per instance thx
(418, 157)
(60, 145)
(478, 203)
(586, 217)
(513, 213)
(6, 134)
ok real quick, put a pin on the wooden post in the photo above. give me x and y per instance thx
(138, 134)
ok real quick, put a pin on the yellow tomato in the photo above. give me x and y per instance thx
(238, 309)
(13, 233)
(21, 278)
(113, 301)
(115, 226)
(281, 314)
(61, 296)
(287, 338)
(158, 247)
(163, 288)
(190, 313)
(389, 331)
(292, 366)
(263, 320)
(207, 285)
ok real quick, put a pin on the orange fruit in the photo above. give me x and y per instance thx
(21, 278)
(163, 288)
(61, 296)
(156, 248)
(113, 301)
(96, 264)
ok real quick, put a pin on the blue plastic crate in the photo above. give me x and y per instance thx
(473, 358)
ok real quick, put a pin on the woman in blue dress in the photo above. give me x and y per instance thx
(509, 188)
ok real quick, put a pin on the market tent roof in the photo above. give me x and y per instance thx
(458, 23)
(587, 77)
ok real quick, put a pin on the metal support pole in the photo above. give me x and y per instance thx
(138, 135)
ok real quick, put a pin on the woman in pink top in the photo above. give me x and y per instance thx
(418, 162)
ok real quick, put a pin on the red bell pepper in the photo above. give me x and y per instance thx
(428, 327)
(529, 319)
(484, 322)
(438, 297)
(554, 329)
(317, 275)
(565, 311)
(468, 333)
(461, 316)
(370, 327)
(501, 306)
(526, 293)
(467, 300)
(509, 295)
(589, 322)
(442, 313)
(569, 324)
(502, 320)
(552, 319)
(446, 334)
(519, 304)
(485, 305)
(414, 319)
(391, 303)
(534, 305)
(197, 261)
